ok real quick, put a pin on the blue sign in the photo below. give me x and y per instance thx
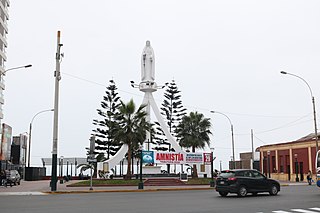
(147, 157)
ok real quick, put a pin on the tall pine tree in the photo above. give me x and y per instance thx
(107, 126)
(172, 110)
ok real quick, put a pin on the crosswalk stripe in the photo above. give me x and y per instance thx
(303, 211)
(300, 210)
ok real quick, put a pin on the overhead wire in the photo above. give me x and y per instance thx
(292, 123)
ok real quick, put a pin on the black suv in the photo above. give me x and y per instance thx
(243, 181)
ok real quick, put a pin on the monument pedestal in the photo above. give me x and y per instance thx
(151, 170)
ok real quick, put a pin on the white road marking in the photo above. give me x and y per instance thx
(21, 193)
(315, 210)
(303, 211)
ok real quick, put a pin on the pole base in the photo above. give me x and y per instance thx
(140, 186)
(297, 179)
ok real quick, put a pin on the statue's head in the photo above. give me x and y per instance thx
(148, 43)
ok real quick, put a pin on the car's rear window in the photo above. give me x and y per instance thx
(227, 174)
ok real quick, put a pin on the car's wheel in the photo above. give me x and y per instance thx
(242, 192)
(223, 194)
(273, 190)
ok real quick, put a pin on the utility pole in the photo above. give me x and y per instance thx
(57, 76)
(252, 150)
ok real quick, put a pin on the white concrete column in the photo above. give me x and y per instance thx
(261, 160)
(291, 162)
(310, 159)
(277, 162)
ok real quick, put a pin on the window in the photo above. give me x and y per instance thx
(257, 174)
(247, 174)
(281, 164)
(227, 174)
(241, 173)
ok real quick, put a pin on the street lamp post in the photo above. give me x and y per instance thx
(232, 137)
(30, 129)
(212, 184)
(15, 68)
(313, 106)
(67, 170)
(61, 169)
(211, 162)
(140, 186)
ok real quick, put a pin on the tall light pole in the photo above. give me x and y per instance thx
(57, 77)
(212, 183)
(140, 185)
(313, 106)
(232, 137)
(30, 129)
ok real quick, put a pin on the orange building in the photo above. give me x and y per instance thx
(289, 161)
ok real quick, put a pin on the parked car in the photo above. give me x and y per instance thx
(243, 181)
(13, 177)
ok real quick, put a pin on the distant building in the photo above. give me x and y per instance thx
(19, 150)
(289, 161)
(245, 161)
(5, 146)
(4, 16)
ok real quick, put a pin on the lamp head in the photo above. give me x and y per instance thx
(132, 82)
(283, 72)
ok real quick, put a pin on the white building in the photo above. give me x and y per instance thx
(4, 16)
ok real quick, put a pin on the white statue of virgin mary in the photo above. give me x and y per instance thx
(147, 63)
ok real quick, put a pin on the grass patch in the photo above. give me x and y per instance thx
(200, 181)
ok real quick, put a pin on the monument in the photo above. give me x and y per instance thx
(148, 86)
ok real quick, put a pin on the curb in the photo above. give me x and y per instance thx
(126, 190)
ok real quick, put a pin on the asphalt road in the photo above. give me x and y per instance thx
(290, 199)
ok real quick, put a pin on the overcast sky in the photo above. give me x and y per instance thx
(224, 56)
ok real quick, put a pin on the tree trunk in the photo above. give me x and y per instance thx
(194, 170)
(128, 176)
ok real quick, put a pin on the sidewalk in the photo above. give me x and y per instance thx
(43, 187)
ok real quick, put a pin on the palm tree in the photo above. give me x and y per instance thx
(133, 127)
(193, 132)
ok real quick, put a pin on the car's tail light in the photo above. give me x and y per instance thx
(232, 179)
